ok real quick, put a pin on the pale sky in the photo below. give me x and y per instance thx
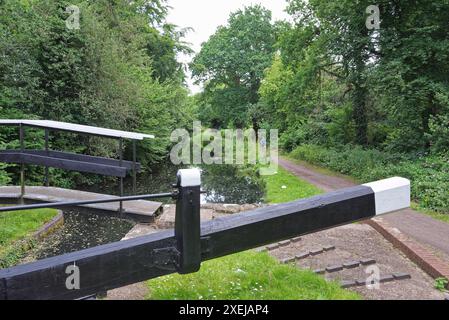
(204, 16)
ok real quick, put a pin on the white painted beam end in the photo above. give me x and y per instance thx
(391, 194)
(189, 177)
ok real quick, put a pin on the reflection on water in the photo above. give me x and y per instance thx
(159, 181)
(224, 183)
(231, 184)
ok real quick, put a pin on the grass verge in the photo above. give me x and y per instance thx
(247, 276)
(444, 217)
(285, 187)
(16, 229)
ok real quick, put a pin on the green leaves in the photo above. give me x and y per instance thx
(231, 64)
(119, 70)
(337, 82)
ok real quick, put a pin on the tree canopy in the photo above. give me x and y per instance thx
(323, 77)
(118, 70)
(338, 82)
(231, 65)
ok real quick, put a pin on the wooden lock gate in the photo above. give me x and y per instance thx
(183, 249)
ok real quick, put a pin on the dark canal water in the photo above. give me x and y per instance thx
(223, 183)
(81, 231)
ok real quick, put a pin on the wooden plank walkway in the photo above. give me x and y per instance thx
(141, 210)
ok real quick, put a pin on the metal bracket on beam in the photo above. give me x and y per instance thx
(166, 258)
(187, 220)
(205, 246)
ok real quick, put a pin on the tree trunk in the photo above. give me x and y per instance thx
(359, 113)
(359, 98)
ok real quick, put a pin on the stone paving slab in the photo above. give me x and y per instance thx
(167, 219)
(346, 284)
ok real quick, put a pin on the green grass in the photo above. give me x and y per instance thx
(444, 217)
(285, 186)
(15, 231)
(18, 224)
(247, 276)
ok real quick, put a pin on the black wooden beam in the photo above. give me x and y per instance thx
(101, 268)
(118, 264)
(48, 161)
(276, 223)
(121, 178)
(22, 166)
(79, 157)
(188, 220)
(3, 295)
(85, 158)
(135, 167)
(46, 153)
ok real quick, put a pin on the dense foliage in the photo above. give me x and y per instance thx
(373, 103)
(429, 175)
(231, 64)
(118, 70)
(324, 79)
(337, 82)
(369, 102)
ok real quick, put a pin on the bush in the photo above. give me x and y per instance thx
(429, 175)
(4, 178)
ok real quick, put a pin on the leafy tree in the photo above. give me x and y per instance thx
(412, 77)
(392, 81)
(119, 70)
(343, 48)
(163, 49)
(231, 64)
